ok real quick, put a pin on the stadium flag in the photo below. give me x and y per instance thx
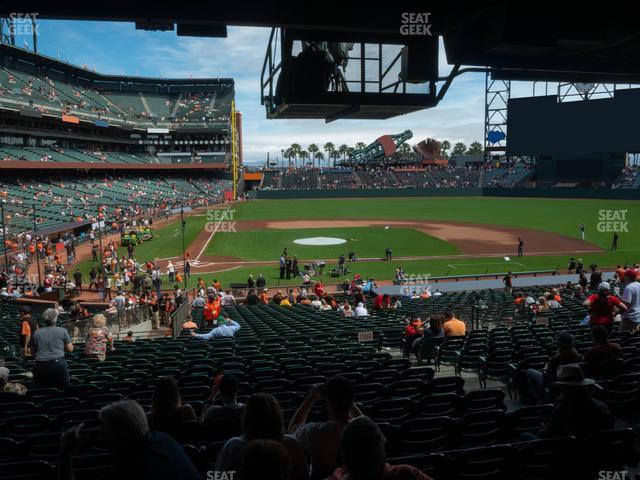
(70, 119)
(101, 123)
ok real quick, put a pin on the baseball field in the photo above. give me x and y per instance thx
(427, 236)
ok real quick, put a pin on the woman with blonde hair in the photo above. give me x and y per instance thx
(97, 338)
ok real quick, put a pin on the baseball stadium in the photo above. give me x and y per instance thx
(302, 246)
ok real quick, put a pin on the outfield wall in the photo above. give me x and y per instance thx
(621, 194)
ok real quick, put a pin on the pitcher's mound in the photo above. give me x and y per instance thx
(319, 241)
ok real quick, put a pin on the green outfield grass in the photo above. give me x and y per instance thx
(562, 216)
(439, 267)
(367, 242)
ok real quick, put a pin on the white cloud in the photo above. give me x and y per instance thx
(117, 47)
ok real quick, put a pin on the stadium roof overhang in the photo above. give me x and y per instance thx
(30, 166)
(561, 39)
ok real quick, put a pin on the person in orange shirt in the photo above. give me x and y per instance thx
(264, 297)
(27, 329)
(452, 326)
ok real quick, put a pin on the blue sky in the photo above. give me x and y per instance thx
(120, 48)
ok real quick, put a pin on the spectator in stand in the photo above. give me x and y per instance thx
(435, 328)
(631, 299)
(167, 411)
(262, 420)
(361, 311)
(50, 343)
(452, 326)
(321, 439)
(266, 460)
(189, 324)
(13, 388)
(28, 326)
(604, 357)
(412, 334)
(223, 421)
(97, 338)
(603, 306)
(381, 301)
(362, 450)
(539, 382)
(226, 328)
(577, 413)
(136, 451)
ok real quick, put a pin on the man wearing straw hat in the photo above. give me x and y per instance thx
(577, 413)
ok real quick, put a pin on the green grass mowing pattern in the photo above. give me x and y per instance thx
(366, 242)
(562, 216)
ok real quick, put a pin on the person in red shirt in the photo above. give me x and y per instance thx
(381, 301)
(603, 306)
(318, 289)
(412, 332)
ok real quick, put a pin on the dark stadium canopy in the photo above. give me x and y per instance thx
(518, 40)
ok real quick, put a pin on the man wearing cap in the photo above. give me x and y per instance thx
(577, 413)
(226, 328)
(631, 298)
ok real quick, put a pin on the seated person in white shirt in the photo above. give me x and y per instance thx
(361, 310)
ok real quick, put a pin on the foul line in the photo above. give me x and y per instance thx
(478, 264)
(206, 244)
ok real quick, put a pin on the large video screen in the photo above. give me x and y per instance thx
(542, 126)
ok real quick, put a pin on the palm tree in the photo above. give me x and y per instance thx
(459, 149)
(335, 155)
(287, 154)
(295, 152)
(329, 149)
(313, 149)
(360, 145)
(343, 149)
(319, 157)
(304, 155)
(445, 146)
(475, 148)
